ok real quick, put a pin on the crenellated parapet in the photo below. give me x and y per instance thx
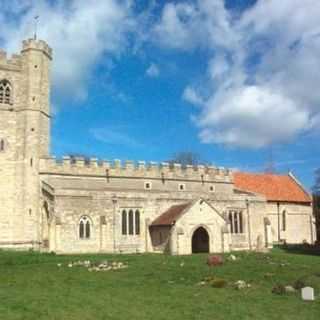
(94, 167)
(33, 44)
(13, 62)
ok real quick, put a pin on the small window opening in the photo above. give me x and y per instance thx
(1, 145)
(147, 185)
(182, 187)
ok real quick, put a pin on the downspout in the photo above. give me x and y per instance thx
(114, 201)
(249, 224)
(278, 211)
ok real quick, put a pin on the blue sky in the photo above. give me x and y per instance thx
(232, 81)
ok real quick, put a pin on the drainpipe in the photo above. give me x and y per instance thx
(278, 211)
(249, 224)
(114, 201)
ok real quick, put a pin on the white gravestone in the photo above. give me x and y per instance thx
(307, 294)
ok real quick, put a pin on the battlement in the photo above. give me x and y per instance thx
(140, 169)
(12, 62)
(37, 45)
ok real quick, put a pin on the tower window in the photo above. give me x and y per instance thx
(1, 145)
(211, 189)
(5, 92)
(182, 187)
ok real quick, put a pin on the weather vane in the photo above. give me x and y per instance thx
(36, 18)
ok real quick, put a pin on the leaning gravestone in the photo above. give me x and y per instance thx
(307, 294)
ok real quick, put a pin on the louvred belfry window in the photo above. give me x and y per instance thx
(5, 92)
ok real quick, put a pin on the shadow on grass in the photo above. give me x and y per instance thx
(301, 249)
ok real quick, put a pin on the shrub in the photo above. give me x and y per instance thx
(279, 289)
(299, 284)
(218, 283)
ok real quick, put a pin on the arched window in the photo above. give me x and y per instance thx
(1, 145)
(5, 92)
(236, 221)
(130, 222)
(137, 221)
(84, 228)
(231, 221)
(284, 222)
(240, 222)
(124, 222)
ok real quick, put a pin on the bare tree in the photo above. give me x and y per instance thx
(186, 158)
(316, 201)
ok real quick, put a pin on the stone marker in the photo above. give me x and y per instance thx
(214, 260)
(290, 289)
(307, 294)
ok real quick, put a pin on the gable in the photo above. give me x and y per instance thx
(174, 213)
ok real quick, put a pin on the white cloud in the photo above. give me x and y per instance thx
(80, 31)
(190, 95)
(153, 71)
(263, 67)
(251, 117)
(115, 136)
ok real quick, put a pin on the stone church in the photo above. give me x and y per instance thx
(76, 205)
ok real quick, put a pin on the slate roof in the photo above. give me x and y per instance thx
(171, 215)
(280, 188)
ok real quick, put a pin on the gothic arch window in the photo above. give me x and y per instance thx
(85, 228)
(137, 221)
(5, 92)
(131, 222)
(124, 222)
(284, 220)
(236, 221)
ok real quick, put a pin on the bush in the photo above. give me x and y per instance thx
(279, 289)
(299, 284)
(218, 283)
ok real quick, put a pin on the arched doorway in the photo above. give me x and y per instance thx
(200, 240)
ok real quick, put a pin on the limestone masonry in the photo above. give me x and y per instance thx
(74, 205)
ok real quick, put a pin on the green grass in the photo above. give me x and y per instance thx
(154, 287)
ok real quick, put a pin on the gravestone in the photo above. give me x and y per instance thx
(307, 294)
(215, 260)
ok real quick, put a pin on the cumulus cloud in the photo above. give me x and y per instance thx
(251, 117)
(263, 67)
(80, 31)
(153, 71)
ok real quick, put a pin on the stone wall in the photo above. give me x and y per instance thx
(299, 222)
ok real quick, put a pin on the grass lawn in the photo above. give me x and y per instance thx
(32, 286)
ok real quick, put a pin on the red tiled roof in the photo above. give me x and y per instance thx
(171, 215)
(273, 187)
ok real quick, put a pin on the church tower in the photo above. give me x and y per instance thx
(24, 139)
